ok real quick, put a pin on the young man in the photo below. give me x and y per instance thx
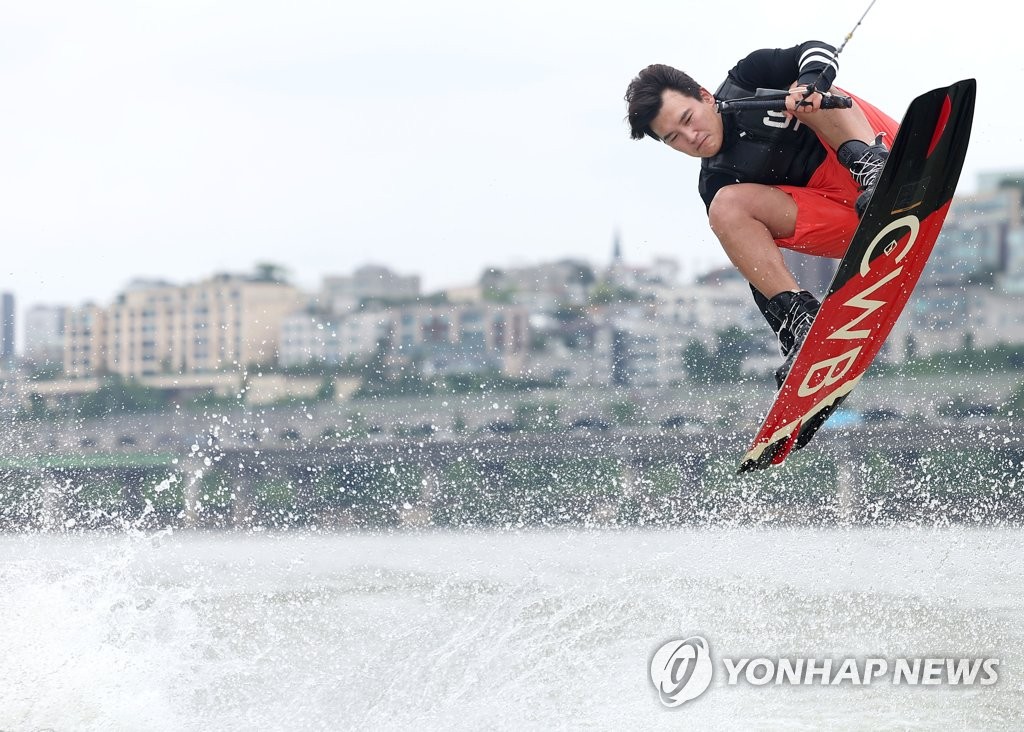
(797, 180)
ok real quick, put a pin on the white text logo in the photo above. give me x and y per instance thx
(681, 670)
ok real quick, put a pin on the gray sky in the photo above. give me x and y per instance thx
(178, 138)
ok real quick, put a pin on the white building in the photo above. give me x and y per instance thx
(44, 334)
(85, 342)
(573, 367)
(642, 347)
(970, 292)
(453, 338)
(6, 328)
(978, 316)
(716, 301)
(644, 280)
(225, 322)
(344, 294)
(541, 287)
(315, 337)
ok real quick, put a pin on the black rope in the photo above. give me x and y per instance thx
(811, 88)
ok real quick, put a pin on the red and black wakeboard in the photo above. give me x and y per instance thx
(876, 276)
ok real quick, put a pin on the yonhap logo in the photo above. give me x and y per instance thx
(681, 670)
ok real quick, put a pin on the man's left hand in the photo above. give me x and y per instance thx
(800, 102)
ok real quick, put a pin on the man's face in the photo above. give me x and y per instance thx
(689, 125)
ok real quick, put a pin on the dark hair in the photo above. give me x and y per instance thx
(643, 96)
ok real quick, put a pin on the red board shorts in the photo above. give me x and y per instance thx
(826, 217)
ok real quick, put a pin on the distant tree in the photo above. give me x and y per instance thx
(585, 274)
(326, 390)
(536, 417)
(501, 296)
(606, 293)
(721, 365)
(1014, 405)
(699, 362)
(270, 272)
(567, 313)
(117, 394)
(624, 412)
(375, 370)
(46, 371)
(434, 298)
(910, 346)
(733, 345)
(37, 408)
(980, 277)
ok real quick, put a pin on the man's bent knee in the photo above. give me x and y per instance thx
(743, 203)
(730, 205)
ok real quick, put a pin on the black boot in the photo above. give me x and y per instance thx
(774, 322)
(865, 164)
(795, 311)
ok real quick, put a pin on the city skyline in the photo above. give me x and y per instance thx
(178, 139)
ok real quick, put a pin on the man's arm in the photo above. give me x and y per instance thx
(777, 68)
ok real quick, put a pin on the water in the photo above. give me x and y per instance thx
(524, 630)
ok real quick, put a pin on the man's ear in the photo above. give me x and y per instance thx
(706, 96)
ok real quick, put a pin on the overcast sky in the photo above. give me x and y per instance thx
(175, 139)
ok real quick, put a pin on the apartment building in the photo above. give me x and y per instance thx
(344, 294)
(6, 327)
(44, 334)
(314, 336)
(226, 321)
(717, 300)
(969, 294)
(543, 286)
(462, 337)
(85, 341)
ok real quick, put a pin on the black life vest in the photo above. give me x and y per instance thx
(772, 148)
